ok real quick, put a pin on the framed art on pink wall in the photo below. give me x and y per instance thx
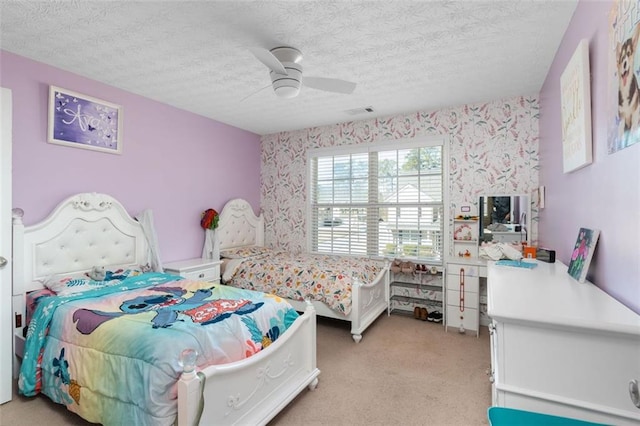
(82, 121)
(575, 87)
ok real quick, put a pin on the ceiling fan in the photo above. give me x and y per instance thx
(286, 73)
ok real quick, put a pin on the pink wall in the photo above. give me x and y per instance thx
(174, 162)
(604, 195)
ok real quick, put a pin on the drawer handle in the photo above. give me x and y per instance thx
(201, 275)
(461, 290)
(634, 393)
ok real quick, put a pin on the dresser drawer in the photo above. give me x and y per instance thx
(195, 269)
(469, 270)
(470, 299)
(471, 284)
(210, 274)
(470, 318)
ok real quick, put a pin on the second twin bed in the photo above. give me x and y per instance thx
(354, 289)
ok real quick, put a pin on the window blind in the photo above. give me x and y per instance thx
(378, 201)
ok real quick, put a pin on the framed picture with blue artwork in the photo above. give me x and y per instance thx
(582, 253)
(82, 121)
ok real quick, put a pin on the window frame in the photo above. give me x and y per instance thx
(387, 145)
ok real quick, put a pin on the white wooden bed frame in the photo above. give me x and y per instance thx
(94, 229)
(238, 226)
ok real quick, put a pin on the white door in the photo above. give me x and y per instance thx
(6, 328)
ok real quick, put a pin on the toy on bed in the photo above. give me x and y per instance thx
(124, 332)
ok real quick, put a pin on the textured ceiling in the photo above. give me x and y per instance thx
(405, 56)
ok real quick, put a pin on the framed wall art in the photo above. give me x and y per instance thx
(82, 121)
(575, 87)
(623, 107)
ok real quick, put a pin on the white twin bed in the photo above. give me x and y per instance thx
(92, 229)
(239, 229)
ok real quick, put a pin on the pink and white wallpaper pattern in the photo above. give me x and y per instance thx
(493, 149)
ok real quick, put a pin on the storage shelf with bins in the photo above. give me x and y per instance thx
(417, 289)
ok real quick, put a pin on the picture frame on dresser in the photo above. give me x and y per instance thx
(582, 253)
(82, 121)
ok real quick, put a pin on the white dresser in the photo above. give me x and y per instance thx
(561, 347)
(463, 294)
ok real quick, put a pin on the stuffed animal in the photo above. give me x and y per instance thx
(97, 273)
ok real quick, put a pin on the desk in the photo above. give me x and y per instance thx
(561, 347)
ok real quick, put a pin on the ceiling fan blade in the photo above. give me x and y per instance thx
(329, 84)
(255, 93)
(267, 58)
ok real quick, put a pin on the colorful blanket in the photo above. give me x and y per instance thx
(112, 354)
(324, 278)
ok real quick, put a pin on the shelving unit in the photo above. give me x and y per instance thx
(417, 289)
(465, 238)
(463, 275)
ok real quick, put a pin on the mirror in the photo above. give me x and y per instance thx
(504, 218)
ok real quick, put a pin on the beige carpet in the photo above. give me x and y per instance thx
(404, 372)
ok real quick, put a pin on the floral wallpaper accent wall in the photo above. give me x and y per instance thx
(493, 149)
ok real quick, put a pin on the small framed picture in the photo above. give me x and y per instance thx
(582, 253)
(82, 121)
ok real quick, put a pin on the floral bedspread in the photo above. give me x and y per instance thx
(324, 278)
(112, 354)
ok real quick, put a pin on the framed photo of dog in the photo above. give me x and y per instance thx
(624, 69)
(575, 88)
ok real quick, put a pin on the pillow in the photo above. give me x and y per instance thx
(115, 272)
(64, 285)
(98, 277)
(246, 251)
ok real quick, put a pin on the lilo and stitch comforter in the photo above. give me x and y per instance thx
(112, 354)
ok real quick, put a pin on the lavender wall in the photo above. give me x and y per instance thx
(604, 195)
(173, 162)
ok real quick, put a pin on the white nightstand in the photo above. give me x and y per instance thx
(196, 269)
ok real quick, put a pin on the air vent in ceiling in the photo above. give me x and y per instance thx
(363, 110)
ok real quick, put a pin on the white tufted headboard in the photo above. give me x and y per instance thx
(83, 231)
(238, 226)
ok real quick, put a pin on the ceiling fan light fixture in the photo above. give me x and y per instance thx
(287, 86)
(286, 92)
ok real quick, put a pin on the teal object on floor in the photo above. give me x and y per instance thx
(499, 416)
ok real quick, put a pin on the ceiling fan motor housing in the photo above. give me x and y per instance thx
(287, 86)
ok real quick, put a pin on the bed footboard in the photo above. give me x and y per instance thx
(254, 390)
(368, 302)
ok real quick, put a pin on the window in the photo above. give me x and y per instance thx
(385, 200)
